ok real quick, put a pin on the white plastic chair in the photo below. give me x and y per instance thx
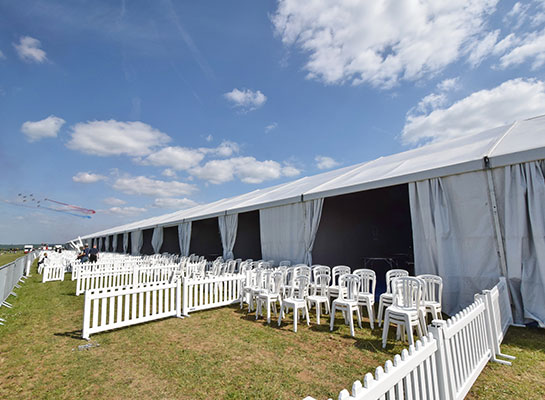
(270, 296)
(319, 294)
(347, 301)
(366, 294)
(296, 302)
(433, 292)
(386, 299)
(407, 309)
(336, 274)
(285, 263)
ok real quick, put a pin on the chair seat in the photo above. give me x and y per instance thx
(343, 302)
(291, 300)
(366, 297)
(316, 298)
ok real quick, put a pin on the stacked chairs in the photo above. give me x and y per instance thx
(387, 298)
(366, 294)
(347, 302)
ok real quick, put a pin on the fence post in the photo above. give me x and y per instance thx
(185, 297)
(444, 373)
(179, 299)
(86, 316)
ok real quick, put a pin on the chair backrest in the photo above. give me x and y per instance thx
(301, 282)
(349, 285)
(304, 270)
(291, 273)
(275, 285)
(321, 270)
(433, 288)
(285, 263)
(368, 280)
(408, 291)
(393, 274)
(231, 265)
(337, 272)
(321, 284)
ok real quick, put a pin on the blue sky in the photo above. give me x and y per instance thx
(136, 109)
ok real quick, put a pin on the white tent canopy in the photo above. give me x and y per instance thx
(519, 142)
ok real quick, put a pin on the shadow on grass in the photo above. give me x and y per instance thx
(72, 334)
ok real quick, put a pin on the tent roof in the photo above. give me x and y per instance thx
(511, 144)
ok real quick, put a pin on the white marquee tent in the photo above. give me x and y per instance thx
(476, 209)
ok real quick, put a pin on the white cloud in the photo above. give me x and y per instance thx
(512, 100)
(431, 102)
(46, 128)
(247, 169)
(532, 47)
(29, 50)
(225, 149)
(209, 138)
(169, 173)
(141, 185)
(380, 42)
(246, 99)
(126, 211)
(2, 56)
(481, 49)
(175, 157)
(111, 138)
(114, 201)
(517, 16)
(271, 127)
(324, 162)
(178, 204)
(87, 177)
(449, 84)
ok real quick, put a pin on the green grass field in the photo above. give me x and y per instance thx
(221, 354)
(9, 257)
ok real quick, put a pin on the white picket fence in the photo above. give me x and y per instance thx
(446, 363)
(203, 294)
(116, 308)
(120, 277)
(53, 272)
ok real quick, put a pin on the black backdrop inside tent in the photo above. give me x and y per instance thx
(170, 240)
(129, 245)
(110, 243)
(374, 223)
(147, 248)
(119, 248)
(205, 238)
(248, 242)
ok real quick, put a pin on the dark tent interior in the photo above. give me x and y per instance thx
(129, 245)
(205, 239)
(119, 248)
(371, 224)
(110, 243)
(170, 240)
(146, 244)
(248, 242)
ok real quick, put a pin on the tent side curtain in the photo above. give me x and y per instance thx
(114, 243)
(521, 195)
(125, 242)
(228, 225)
(157, 239)
(107, 243)
(184, 237)
(137, 239)
(100, 241)
(288, 232)
(453, 235)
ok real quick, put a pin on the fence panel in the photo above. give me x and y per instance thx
(53, 272)
(203, 294)
(116, 308)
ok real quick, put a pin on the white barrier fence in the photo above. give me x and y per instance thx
(11, 274)
(53, 272)
(120, 277)
(112, 309)
(203, 294)
(446, 363)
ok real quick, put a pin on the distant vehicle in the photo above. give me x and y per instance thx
(28, 248)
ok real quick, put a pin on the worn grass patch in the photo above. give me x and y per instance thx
(222, 353)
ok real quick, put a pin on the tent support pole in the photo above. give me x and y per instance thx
(495, 216)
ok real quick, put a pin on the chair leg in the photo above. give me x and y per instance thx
(295, 317)
(332, 318)
(268, 311)
(370, 312)
(409, 329)
(385, 329)
(307, 314)
(380, 311)
(359, 316)
(281, 313)
(351, 321)
(318, 309)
